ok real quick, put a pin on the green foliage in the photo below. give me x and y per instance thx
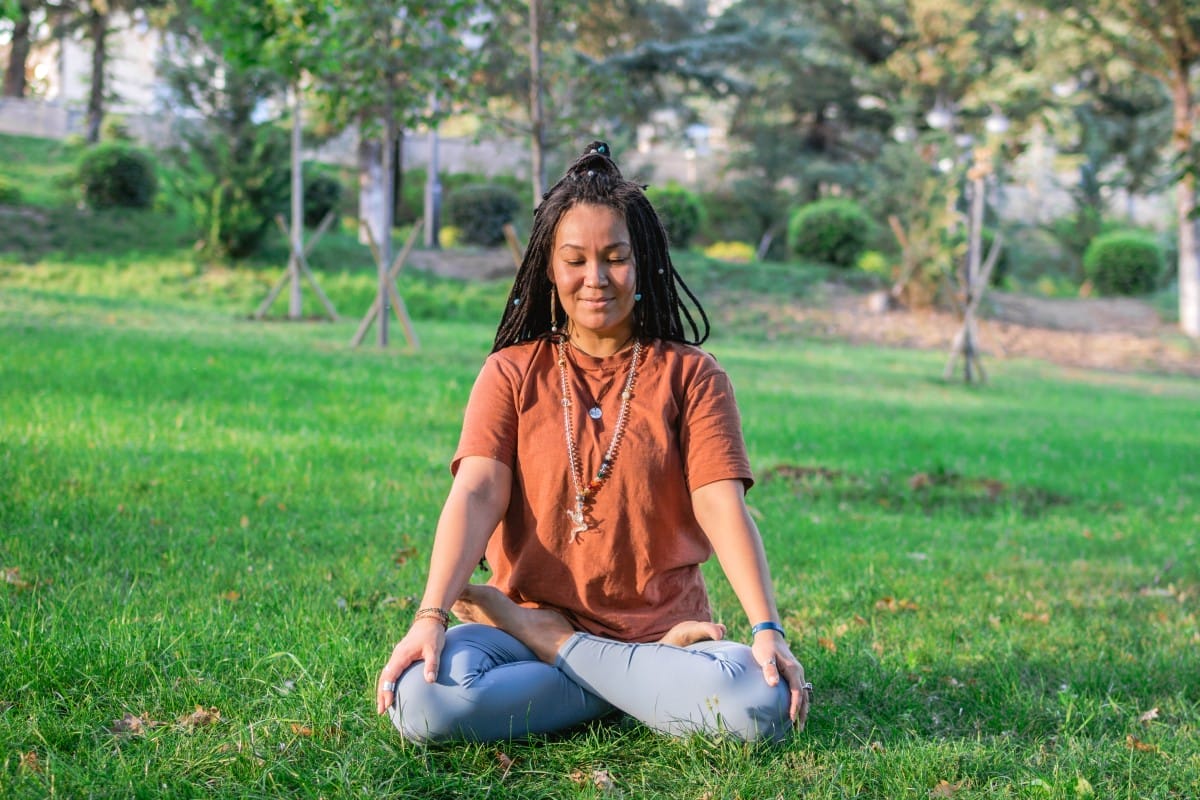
(234, 186)
(875, 263)
(834, 231)
(322, 194)
(1125, 262)
(10, 193)
(480, 211)
(680, 211)
(117, 175)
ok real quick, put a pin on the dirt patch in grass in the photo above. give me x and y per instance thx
(1113, 334)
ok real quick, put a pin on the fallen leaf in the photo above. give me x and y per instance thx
(1134, 743)
(1152, 714)
(877, 747)
(919, 481)
(828, 644)
(1029, 616)
(1083, 787)
(402, 555)
(232, 596)
(877, 648)
(506, 763)
(1087, 534)
(134, 724)
(578, 777)
(859, 620)
(31, 762)
(893, 605)
(245, 521)
(201, 717)
(301, 730)
(602, 780)
(840, 629)
(12, 576)
(994, 621)
(945, 789)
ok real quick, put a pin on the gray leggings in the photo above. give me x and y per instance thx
(491, 687)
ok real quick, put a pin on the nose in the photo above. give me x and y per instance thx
(597, 275)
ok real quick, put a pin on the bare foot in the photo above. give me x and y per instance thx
(692, 631)
(541, 630)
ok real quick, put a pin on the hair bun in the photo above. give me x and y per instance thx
(596, 159)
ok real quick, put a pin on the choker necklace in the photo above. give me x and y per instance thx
(584, 494)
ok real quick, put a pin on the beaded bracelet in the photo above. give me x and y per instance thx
(768, 626)
(440, 614)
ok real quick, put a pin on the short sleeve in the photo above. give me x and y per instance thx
(711, 433)
(490, 422)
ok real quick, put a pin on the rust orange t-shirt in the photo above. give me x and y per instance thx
(636, 571)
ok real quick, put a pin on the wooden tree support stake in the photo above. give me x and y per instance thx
(298, 265)
(514, 247)
(965, 341)
(396, 302)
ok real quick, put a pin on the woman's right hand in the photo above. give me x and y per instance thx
(423, 642)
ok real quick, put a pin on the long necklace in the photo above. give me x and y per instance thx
(584, 494)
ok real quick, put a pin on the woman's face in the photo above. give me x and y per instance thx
(592, 267)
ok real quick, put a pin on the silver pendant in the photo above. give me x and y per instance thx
(595, 413)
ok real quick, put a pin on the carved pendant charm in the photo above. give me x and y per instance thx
(578, 526)
(595, 413)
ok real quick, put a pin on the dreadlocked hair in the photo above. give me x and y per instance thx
(594, 179)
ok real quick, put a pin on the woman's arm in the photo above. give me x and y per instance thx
(477, 500)
(720, 508)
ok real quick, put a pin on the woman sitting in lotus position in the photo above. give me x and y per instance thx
(601, 462)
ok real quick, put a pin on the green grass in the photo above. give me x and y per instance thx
(989, 587)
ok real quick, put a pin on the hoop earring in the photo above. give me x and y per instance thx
(553, 310)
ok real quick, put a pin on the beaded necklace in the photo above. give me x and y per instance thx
(584, 494)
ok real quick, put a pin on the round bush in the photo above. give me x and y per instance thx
(833, 231)
(10, 193)
(480, 211)
(117, 175)
(680, 211)
(322, 194)
(1123, 263)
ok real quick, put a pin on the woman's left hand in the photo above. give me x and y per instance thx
(771, 651)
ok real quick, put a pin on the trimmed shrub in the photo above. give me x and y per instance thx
(322, 194)
(680, 211)
(875, 263)
(10, 193)
(480, 211)
(1123, 263)
(833, 231)
(117, 175)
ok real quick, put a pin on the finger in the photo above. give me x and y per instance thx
(771, 672)
(383, 695)
(431, 665)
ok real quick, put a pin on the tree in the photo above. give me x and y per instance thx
(376, 63)
(20, 13)
(1161, 40)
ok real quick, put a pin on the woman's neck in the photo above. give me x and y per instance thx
(600, 346)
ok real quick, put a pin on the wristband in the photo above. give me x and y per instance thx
(768, 626)
(440, 614)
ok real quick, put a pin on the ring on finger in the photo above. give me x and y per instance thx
(771, 661)
(807, 687)
(390, 686)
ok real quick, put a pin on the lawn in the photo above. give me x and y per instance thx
(211, 531)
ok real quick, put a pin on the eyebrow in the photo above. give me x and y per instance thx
(611, 246)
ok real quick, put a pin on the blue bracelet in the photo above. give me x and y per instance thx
(768, 626)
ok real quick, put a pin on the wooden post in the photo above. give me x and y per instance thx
(974, 279)
(514, 246)
(298, 265)
(392, 296)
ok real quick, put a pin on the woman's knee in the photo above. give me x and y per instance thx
(427, 712)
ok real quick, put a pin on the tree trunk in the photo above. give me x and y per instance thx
(98, 33)
(536, 115)
(398, 177)
(370, 184)
(18, 55)
(295, 300)
(1185, 204)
